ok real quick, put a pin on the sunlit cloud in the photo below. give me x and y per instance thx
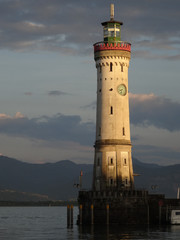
(161, 112)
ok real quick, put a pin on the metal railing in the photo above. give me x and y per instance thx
(117, 45)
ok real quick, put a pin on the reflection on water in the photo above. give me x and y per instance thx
(128, 232)
(49, 223)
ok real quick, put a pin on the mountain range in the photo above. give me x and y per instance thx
(58, 181)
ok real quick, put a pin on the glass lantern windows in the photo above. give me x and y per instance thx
(112, 31)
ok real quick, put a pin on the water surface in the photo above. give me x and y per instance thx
(49, 223)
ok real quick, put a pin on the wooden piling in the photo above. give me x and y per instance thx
(148, 214)
(71, 215)
(68, 215)
(159, 214)
(92, 214)
(107, 214)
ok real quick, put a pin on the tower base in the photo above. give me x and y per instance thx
(124, 207)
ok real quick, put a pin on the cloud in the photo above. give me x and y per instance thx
(156, 154)
(151, 110)
(90, 106)
(4, 116)
(28, 93)
(56, 128)
(72, 27)
(56, 93)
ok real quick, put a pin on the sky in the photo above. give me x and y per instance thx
(48, 78)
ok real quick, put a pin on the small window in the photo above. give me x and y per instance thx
(100, 69)
(177, 213)
(121, 68)
(123, 131)
(111, 181)
(111, 110)
(98, 162)
(125, 161)
(111, 66)
(99, 131)
(126, 181)
(110, 160)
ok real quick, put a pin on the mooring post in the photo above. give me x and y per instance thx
(68, 215)
(159, 214)
(107, 211)
(80, 214)
(92, 214)
(148, 214)
(167, 219)
(71, 215)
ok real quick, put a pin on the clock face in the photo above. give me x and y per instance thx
(122, 89)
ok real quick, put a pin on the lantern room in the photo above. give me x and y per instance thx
(112, 29)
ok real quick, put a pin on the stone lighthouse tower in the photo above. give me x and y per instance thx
(112, 162)
(113, 198)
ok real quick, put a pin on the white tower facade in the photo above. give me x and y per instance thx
(113, 161)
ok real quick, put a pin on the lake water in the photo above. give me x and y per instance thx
(49, 223)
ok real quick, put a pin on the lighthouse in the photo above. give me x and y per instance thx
(113, 168)
(113, 198)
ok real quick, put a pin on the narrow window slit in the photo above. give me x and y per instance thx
(123, 130)
(111, 67)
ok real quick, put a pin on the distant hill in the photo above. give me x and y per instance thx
(14, 196)
(158, 179)
(56, 180)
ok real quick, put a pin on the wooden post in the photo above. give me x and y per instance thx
(148, 214)
(92, 214)
(80, 214)
(68, 215)
(159, 214)
(107, 211)
(160, 209)
(167, 219)
(71, 215)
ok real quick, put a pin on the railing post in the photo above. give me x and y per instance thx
(80, 214)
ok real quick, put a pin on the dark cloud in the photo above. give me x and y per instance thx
(156, 154)
(28, 93)
(56, 93)
(90, 106)
(156, 111)
(72, 26)
(58, 127)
